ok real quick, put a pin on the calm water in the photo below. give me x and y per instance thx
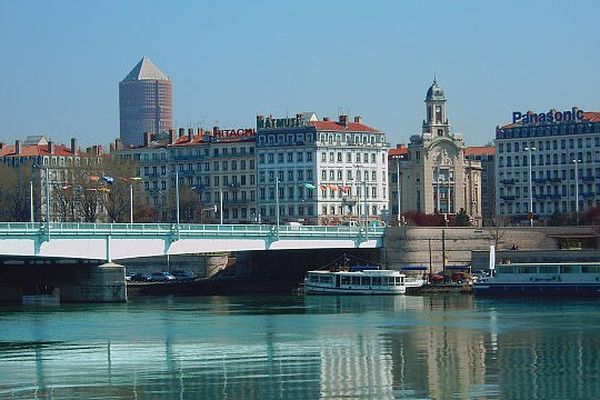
(294, 347)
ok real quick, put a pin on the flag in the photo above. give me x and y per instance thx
(324, 187)
(108, 179)
(94, 178)
(332, 187)
(309, 186)
(344, 189)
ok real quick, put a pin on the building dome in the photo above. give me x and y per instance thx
(435, 92)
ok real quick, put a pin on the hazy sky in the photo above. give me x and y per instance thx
(61, 61)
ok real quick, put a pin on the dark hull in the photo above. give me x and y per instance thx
(532, 289)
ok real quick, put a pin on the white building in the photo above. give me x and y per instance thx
(324, 171)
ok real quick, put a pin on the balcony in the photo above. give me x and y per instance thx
(507, 198)
(539, 180)
(587, 178)
(507, 181)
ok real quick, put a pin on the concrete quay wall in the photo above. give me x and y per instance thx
(410, 245)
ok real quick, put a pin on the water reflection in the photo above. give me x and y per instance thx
(399, 347)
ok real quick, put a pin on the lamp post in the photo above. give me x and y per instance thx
(177, 196)
(398, 158)
(135, 178)
(529, 149)
(277, 202)
(31, 200)
(221, 205)
(437, 188)
(576, 161)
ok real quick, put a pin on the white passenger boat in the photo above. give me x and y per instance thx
(555, 279)
(366, 281)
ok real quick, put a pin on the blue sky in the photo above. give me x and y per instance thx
(61, 61)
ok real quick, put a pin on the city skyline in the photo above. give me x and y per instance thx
(227, 65)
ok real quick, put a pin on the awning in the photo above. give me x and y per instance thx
(413, 268)
(459, 267)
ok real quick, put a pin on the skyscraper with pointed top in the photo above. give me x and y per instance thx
(145, 103)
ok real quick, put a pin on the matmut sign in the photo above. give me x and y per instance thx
(530, 117)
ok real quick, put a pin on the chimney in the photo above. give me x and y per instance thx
(172, 135)
(50, 147)
(190, 134)
(17, 147)
(344, 120)
(358, 119)
(181, 132)
(74, 145)
(118, 144)
(147, 138)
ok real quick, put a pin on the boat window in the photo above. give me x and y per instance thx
(527, 270)
(507, 270)
(365, 281)
(313, 278)
(345, 280)
(570, 269)
(549, 270)
(398, 280)
(376, 280)
(590, 269)
(356, 280)
(391, 281)
(325, 279)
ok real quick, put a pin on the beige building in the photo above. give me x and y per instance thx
(435, 174)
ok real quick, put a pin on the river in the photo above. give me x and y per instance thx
(295, 347)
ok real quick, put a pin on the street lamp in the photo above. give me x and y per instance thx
(137, 179)
(177, 195)
(398, 158)
(364, 183)
(528, 150)
(277, 202)
(576, 161)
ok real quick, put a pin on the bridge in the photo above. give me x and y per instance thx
(124, 241)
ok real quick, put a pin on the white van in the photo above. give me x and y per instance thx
(353, 224)
(295, 226)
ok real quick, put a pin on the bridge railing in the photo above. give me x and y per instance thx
(190, 230)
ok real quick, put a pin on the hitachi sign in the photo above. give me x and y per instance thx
(574, 114)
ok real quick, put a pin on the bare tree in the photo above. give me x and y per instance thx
(496, 227)
(14, 192)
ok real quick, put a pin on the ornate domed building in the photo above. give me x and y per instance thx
(434, 174)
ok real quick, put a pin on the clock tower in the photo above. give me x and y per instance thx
(436, 123)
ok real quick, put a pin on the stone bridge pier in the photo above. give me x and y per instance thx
(72, 281)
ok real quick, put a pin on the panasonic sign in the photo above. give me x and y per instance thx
(530, 117)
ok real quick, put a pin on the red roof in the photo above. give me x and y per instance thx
(35, 150)
(398, 151)
(480, 151)
(336, 126)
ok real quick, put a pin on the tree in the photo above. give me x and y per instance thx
(14, 192)
(496, 229)
(462, 218)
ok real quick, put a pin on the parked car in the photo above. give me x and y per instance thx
(181, 275)
(162, 276)
(436, 278)
(139, 277)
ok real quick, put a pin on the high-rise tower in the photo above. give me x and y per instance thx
(145, 103)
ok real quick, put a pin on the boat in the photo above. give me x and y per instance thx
(358, 279)
(536, 278)
(369, 281)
